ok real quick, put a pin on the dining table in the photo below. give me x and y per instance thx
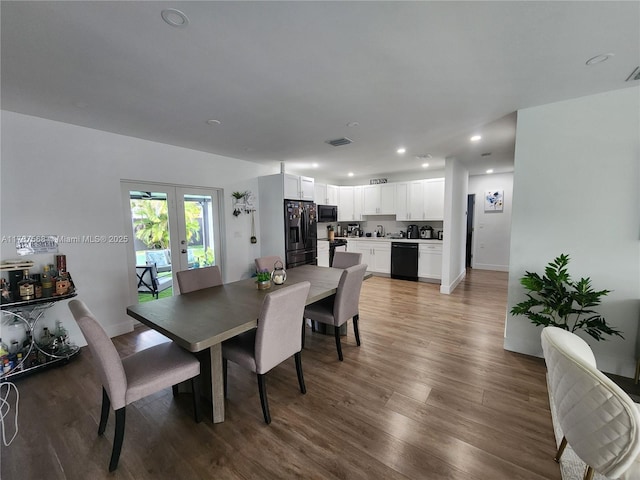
(201, 320)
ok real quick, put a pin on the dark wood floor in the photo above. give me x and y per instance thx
(430, 394)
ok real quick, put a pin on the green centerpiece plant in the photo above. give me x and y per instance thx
(263, 279)
(554, 299)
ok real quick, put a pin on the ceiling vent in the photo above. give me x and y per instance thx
(635, 75)
(338, 142)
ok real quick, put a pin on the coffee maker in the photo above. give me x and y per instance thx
(413, 231)
(353, 230)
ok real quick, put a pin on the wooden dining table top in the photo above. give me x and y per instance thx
(200, 319)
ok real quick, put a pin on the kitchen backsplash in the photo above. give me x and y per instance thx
(388, 222)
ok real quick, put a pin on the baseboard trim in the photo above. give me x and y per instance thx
(448, 289)
(488, 266)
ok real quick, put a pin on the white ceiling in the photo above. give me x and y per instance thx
(284, 77)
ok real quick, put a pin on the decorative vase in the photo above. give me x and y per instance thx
(264, 284)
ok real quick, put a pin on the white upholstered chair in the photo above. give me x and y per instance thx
(199, 278)
(267, 263)
(129, 379)
(346, 259)
(598, 419)
(337, 309)
(277, 338)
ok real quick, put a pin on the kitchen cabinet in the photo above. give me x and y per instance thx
(325, 194)
(323, 253)
(430, 261)
(434, 199)
(377, 255)
(298, 187)
(420, 200)
(332, 195)
(379, 199)
(349, 204)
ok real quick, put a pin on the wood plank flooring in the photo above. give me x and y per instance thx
(430, 394)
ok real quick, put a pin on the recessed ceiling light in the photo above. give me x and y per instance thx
(401, 150)
(350, 174)
(475, 138)
(599, 58)
(425, 165)
(174, 17)
(490, 170)
(214, 122)
(314, 165)
(353, 124)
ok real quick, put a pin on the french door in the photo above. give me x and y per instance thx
(173, 227)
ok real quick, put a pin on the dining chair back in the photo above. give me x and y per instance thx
(336, 310)
(199, 278)
(266, 263)
(278, 337)
(129, 379)
(346, 259)
(599, 420)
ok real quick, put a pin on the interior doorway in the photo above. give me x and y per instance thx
(173, 228)
(471, 203)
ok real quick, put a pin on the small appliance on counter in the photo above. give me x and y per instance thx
(439, 234)
(379, 231)
(413, 231)
(353, 230)
(426, 232)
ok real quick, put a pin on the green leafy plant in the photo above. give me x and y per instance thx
(151, 221)
(556, 300)
(263, 275)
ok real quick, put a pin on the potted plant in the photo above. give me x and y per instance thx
(554, 299)
(239, 205)
(263, 280)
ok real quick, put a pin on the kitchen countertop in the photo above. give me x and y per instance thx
(388, 239)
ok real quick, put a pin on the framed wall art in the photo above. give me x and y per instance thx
(494, 200)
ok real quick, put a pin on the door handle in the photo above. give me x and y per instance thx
(183, 251)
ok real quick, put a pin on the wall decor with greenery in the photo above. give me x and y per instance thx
(554, 299)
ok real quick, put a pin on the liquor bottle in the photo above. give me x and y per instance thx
(37, 285)
(47, 283)
(62, 283)
(26, 287)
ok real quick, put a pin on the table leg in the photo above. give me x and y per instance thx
(217, 385)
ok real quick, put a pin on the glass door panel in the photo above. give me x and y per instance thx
(199, 227)
(151, 217)
(173, 228)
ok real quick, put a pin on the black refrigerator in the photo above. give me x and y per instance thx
(301, 233)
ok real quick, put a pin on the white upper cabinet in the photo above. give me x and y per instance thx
(434, 199)
(320, 193)
(379, 199)
(420, 200)
(402, 212)
(325, 194)
(298, 187)
(345, 204)
(332, 195)
(357, 202)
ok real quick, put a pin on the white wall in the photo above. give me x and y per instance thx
(455, 225)
(576, 191)
(492, 230)
(63, 179)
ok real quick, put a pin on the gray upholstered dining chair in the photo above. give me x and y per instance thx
(266, 263)
(199, 278)
(134, 377)
(336, 310)
(277, 338)
(346, 259)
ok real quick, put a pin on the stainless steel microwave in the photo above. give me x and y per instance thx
(327, 213)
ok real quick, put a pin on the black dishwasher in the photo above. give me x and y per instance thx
(404, 261)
